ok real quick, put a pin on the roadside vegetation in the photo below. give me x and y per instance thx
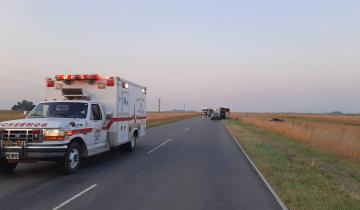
(153, 118)
(303, 175)
(338, 135)
(156, 119)
(9, 115)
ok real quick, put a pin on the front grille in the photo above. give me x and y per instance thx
(18, 135)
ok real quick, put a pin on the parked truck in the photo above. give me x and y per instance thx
(224, 112)
(81, 116)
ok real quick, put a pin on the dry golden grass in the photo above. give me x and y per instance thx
(330, 133)
(333, 119)
(155, 118)
(4, 116)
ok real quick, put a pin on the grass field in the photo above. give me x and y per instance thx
(10, 115)
(304, 176)
(338, 135)
(156, 119)
(153, 118)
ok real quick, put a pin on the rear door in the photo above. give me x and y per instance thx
(123, 122)
(125, 102)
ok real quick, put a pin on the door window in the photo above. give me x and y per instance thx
(95, 112)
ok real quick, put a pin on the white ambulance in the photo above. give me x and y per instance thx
(82, 115)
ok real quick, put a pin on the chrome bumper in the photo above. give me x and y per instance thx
(36, 151)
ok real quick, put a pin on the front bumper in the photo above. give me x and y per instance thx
(35, 151)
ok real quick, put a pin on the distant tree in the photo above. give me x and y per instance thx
(336, 113)
(23, 106)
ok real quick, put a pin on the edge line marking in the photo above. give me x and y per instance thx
(277, 198)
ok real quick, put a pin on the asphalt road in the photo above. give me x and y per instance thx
(190, 164)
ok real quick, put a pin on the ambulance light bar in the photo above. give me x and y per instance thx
(90, 78)
(77, 77)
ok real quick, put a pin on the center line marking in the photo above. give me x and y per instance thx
(187, 129)
(75, 197)
(158, 147)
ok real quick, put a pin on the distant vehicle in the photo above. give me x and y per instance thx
(83, 115)
(207, 112)
(224, 112)
(215, 116)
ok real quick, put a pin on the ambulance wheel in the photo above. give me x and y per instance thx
(72, 160)
(132, 144)
(6, 167)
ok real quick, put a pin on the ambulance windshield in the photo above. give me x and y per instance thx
(60, 110)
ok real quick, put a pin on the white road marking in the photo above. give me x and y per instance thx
(187, 129)
(158, 147)
(75, 197)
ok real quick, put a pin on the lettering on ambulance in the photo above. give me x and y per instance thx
(97, 134)
(23, 125)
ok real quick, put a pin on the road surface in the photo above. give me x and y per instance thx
(190, 164)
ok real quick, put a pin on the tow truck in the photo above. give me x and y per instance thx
(81, 116)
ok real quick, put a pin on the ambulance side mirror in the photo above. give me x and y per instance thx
(109, 115)
(25, 114)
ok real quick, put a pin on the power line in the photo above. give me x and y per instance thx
(17, 82)
(19, 71)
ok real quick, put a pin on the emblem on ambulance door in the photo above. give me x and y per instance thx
(97, 134)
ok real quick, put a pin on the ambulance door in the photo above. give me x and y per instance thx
(123, 124)
(97, 120)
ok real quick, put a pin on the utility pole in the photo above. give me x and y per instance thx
(159, 104)
(184, 107)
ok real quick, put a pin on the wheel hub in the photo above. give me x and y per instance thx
(74, 158)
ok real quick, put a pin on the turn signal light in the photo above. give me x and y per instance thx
(54, 138)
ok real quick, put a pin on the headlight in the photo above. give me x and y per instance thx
(54, 135)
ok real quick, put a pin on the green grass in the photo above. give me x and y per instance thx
(304, 177)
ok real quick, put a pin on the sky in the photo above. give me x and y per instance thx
(251, 56)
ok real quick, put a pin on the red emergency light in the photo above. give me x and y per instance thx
(50, 83)
(90, 77)
(110, 82)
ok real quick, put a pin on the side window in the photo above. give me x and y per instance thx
(95, 112)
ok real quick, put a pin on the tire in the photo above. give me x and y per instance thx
(6, 167)
(130, 147)
(72, 159)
